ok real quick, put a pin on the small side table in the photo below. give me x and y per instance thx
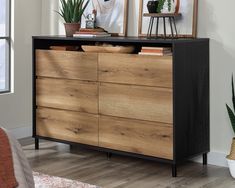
(164, 16)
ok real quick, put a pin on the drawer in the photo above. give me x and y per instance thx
(67, 94)
(138, 102)
(66, 64)
(147, 138)
(136, 69)
(67, 125)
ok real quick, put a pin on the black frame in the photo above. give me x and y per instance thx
(191, 60)
(9, 42)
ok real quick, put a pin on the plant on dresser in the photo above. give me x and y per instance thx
(71, 12)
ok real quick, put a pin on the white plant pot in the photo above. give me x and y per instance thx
(231, 165)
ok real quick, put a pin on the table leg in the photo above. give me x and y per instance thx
(157, 27)
(172, 33)
(150, 27)
(176, 33)
(164, 23)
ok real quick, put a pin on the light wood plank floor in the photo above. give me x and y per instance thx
(120, 172)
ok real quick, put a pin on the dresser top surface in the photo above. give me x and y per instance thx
(121, 39)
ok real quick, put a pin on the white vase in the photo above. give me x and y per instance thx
(165, 8)
(231, 165)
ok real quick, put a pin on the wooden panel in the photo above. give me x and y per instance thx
(67, 94)
(136, 69)
(68, 126)
(153, 139)
(139, 102)
(66, 64)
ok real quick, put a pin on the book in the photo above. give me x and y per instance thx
(156, 48)
(91, 35)
(157, 54)
(154, 51)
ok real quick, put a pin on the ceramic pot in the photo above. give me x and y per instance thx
(231, 159)
(152, 6)
(71, 28)
(231, 165)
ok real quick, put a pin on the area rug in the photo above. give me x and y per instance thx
(46, 181)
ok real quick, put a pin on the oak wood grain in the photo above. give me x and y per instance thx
(68, 126)
(147, 138)
(136, 69)
(67, 94)
(66, 64)
(138, 102)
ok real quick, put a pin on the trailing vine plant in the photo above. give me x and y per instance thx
(161, 4)
(169, 5)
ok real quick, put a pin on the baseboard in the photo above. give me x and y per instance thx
(22, 132)
(214, 158)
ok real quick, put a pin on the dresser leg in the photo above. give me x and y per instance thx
(204, 157)
(174, 170)
(109, 155)
(36, 143)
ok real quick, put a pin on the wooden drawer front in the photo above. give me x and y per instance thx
(67, 94)
(66, 64)
(139, 102)
(68, 126)
(136, 69)
(152, 139)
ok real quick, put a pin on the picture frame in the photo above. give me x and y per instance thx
(186, 28)
(114, 20)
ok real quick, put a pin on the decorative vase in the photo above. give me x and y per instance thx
(167, 9)
(71, 28)
(177, 6)
(231, 159)
(152, 6)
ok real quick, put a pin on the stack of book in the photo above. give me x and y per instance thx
(159, 51)
(90, 33)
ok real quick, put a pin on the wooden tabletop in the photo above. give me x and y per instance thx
(162, 14)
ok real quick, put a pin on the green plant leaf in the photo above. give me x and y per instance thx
(160, 5)
(231, 116)
(233, 95)
(72, 10)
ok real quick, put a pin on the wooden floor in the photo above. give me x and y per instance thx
(120, 172)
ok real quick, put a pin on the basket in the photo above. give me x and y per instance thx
(231, 156)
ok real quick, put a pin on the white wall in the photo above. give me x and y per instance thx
(15, 108)
(215, 22)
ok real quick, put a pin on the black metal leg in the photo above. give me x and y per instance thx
(109, 155)
(157, 27)
(150, 27)
(204, 157)
(174, 170)
(172, 33)
(36, 144)
(176, 33)
(164, 23)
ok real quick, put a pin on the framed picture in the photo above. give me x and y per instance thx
(112, 15)
(186, 24)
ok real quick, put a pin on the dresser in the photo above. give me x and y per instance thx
(152, 107)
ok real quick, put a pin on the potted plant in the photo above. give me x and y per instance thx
(71, 11)
(168, 6)
(231, 156)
